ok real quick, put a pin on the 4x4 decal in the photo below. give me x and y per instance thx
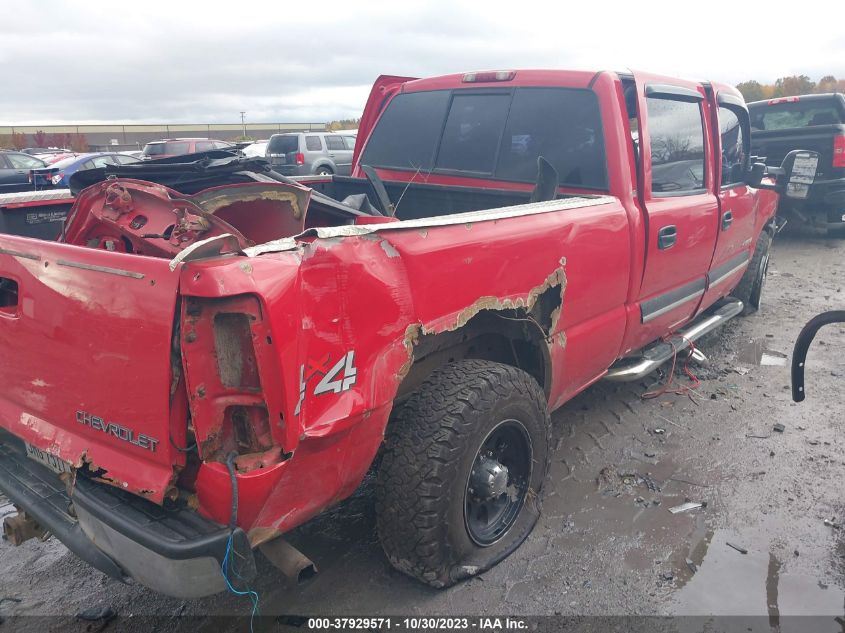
(335, 379)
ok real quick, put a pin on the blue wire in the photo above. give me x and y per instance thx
(252, 594)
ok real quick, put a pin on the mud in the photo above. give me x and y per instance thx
(606, 542)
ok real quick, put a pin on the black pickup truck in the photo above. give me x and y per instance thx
(811, 122)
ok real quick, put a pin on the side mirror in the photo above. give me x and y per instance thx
(797, 173)
(756, 173)
(792, 179)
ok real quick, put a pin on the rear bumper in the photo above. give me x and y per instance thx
(171, 550)
(826, 201)
(292, 170)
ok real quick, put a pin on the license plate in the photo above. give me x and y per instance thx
(47, 459)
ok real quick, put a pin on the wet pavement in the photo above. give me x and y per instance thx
(607, 543)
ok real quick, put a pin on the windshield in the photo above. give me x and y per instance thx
(283, 144)
(793, 114)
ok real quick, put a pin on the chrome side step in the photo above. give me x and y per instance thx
(658, 353)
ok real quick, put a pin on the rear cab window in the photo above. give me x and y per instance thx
(792, 112)
(493, 133)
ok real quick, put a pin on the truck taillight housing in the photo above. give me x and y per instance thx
(300, 158)
(839, 151)
(225, 344)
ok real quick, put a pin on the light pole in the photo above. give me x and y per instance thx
(243, 122)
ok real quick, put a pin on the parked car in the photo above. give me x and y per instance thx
(58, 174)
(258, 148)
(179, 146)
(307, 153)
(49, 159)
(223, 355)
(14, 170)
(44, 152)
(811, 122)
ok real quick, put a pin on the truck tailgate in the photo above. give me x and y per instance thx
(776, 144)
(85, 338)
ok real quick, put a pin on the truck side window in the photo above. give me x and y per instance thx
(734, 147)
(677, 146)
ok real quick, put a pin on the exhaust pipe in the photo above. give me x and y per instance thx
(293, 564)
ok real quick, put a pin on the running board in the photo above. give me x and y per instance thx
(658, 353)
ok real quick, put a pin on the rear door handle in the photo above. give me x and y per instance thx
(667, 236)
(727, 219)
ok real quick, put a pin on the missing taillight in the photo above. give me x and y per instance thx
(235, 351)
(8, 293)
(250, 429)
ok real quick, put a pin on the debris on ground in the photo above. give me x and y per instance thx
(831, 522)
(778, 427)
(758, 437)
(98, 616)
(689, 505)
(738, 548)
(692, 566)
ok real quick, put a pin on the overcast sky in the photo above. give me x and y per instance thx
(291, 61)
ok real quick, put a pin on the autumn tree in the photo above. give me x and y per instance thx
(19, 140)
(794, 85)
(78, 143)
(60, 139)
(751, 90)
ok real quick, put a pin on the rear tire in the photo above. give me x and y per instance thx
(464, 463)
(324, 171)
(750, 287)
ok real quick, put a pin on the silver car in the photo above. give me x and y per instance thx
(307, 153)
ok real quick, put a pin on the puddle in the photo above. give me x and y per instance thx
(727, 582)
(755, 352)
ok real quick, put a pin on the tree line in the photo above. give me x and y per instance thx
(790, 86)
(19, 140)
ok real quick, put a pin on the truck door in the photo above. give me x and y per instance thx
(677, 183)
(731, 138)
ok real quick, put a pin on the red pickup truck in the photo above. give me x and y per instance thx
(212, 354)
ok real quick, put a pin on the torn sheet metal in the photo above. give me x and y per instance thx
(352, 230)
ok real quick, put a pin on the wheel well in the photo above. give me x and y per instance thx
(515, 337)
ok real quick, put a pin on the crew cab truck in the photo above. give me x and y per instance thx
(213, 354)
(810, 122)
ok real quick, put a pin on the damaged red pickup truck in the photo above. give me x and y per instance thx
(212, 354)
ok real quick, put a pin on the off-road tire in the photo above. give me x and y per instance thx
(750, 287)
(431, 444)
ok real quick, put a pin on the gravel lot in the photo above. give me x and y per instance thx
(606, 543)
